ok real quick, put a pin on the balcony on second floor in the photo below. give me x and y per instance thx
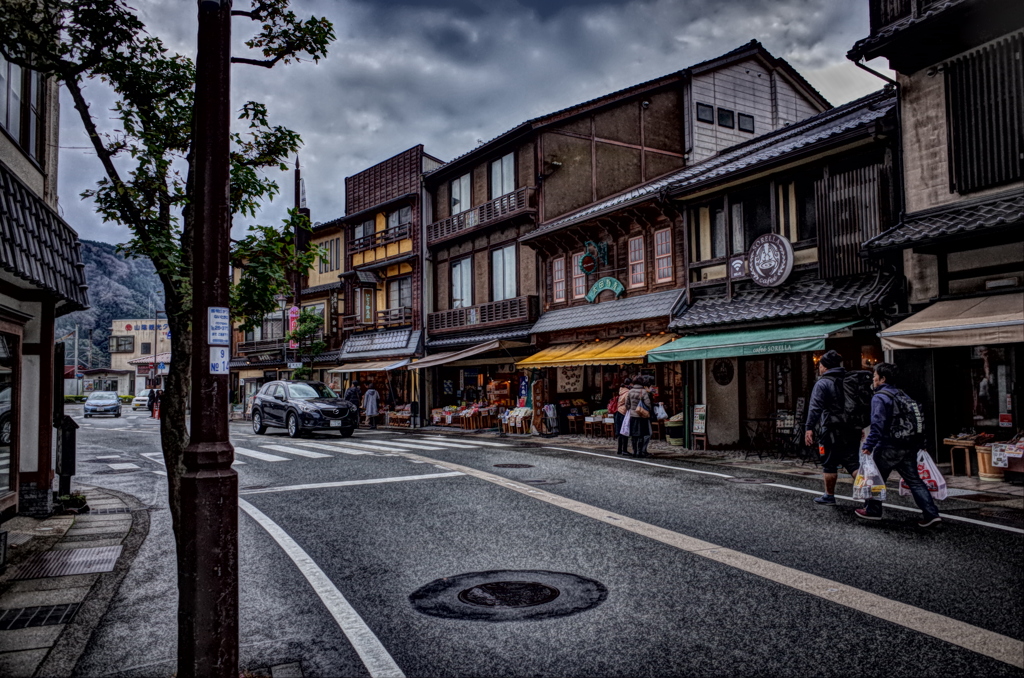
(386, 319)
(887, 12)
(493, 314)
(381, 238)
(518, 202)
(264, 345)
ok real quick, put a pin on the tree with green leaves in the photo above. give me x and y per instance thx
(309, 338)
(148, 156)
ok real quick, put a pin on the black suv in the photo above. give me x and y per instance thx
(300, 406)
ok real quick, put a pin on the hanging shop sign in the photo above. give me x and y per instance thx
(770, 260)
(738, 267)
(605, 284)
(595, 254)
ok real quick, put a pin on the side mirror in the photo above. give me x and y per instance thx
(278, 396)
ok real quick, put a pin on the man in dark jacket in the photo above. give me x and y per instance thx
(354, 395)
(837, 444)
(889, 455)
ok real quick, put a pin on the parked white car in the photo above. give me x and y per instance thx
(141, 400)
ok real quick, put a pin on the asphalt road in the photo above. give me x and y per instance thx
(776, 585)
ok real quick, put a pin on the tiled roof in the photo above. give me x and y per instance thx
(749, 49)
(38, 246)
(322, 288)
(523, 333)
(772, 303)
(962, 218)
(742, 157)
(388, 344)
(146, 359)
(863, 46)
(640, 307)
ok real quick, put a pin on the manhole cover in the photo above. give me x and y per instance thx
(544, 481)
(750, 481)
(508, 595)
(513, 466)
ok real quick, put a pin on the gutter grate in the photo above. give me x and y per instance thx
(71, 561)
(123, 509)
(30, 617)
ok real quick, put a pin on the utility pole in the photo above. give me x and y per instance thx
(78, 383)
(208, 562)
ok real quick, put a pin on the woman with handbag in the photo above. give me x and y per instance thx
(620, 414)
(639, 406)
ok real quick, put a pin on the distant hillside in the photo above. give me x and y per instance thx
(118, 288)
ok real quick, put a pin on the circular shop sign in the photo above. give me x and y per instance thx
(588, 263)
(770, 260)
(723, 371)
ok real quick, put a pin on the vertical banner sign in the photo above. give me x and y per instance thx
(700, 413)
(524, 391)
(219, 358)
(219, 326)
(293, 323)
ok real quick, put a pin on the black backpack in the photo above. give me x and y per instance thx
(856, 391)
(906, 427)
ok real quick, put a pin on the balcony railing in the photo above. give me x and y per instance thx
(381, 238)
(506, 312)
(508, 205)
(886, 12)
(263, 345)
(392, 317)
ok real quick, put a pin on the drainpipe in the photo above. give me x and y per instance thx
(899, 133)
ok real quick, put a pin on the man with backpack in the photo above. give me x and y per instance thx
(897, 432)
(837, 412)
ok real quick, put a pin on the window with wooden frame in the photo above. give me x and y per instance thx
(663, 255)
(707, 232)
(797, 216)
(579, 278)
(400, 293)
(462, 283)
(503, 176)
(558, 278)
(636, 261)
(122, 345)
(400, 217)
(21, 106)
(461, 194)
(984, 99)
(503, 273)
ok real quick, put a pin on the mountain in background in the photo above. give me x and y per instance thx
(118, 288)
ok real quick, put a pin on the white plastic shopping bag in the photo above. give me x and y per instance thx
(931, 476)
(869, 483)
(624, 430)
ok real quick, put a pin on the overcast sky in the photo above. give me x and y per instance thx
(452, 73)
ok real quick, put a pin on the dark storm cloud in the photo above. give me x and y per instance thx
(449, 73)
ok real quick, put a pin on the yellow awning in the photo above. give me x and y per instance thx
(613, 352)
(997, 319)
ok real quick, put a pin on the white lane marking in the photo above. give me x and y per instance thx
(244, 451)
(156, 457)
(475, 442)
(296, 451)
(336, 447)
(360, 446)
(436, 442)
(160, 473)
(913, 509)
(645, 463)
(375, 657)
(346, 483)
(970, 637)
(108, 456)
(414, 446)
(122, 467)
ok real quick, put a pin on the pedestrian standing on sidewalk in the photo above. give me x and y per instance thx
(891, 443)
(640, 408)
(151, 402)
(620, 414)
(354, 394)
(837, 444)
(371, 400)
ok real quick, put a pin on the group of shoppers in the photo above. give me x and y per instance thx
(634, 399)
(840, 443)
(369, 401)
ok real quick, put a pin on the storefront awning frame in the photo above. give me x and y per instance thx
(757, 342)
(452, 356)
(374, 366)
(631, 351)
(977, 321)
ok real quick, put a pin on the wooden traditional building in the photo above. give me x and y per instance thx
(41, 278)
(960, 238)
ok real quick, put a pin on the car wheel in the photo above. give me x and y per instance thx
(347, 432)
(257, 423)
(117, 416)
(87, 416)
(292, 424)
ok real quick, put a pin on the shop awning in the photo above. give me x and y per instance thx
(452, 356)
(765, 341)
(377, 366)
(997, 319)
(614, 352)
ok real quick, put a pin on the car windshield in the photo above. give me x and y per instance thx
(143, 394)
(310, 390)
(102, 397)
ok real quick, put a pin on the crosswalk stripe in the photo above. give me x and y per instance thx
(122, 467)
(364, 446)
(436, 443)
(414, 446)
(296, 451)
(336, 448)
(246, 452)
(477, 442)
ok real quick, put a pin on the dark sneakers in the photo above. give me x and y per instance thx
(929, 522)
(864, 515)
(826, 499)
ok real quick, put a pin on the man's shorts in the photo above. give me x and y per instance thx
(843, 454)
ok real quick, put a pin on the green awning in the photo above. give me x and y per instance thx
(765, 341)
